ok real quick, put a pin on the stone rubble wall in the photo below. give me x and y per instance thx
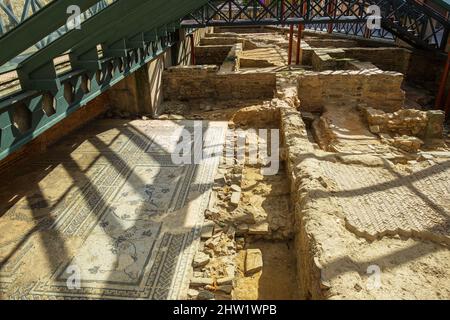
(298, 149)
(411, 122)
(329, 59)
(374, 88)
(360, 65)
(203, 82)
(184, 45)
(221, 41)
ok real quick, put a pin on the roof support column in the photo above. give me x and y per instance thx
(331, 9)
(291, 36)
(299, 41)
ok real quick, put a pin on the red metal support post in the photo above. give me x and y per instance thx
(192, 48)
(331, 8)
(299, 41)
(291, 36)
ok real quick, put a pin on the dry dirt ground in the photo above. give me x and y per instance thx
(275, 280)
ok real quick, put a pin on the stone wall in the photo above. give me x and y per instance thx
(211, 54)
(184, 45)
(373, 88)
(423, 124)
(220, 41)
(426, 70)
(329, 59)
(333, 43)
(140, 92)
(260, 29)
(388, 59)
(297, 150)
(203, 82)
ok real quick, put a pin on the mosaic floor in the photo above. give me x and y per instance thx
(380, 201)
(106, 214)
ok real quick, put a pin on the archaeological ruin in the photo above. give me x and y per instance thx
(246, 150)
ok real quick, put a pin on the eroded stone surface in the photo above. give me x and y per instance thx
(253, 261)
(380, 201)
(108, 204)
(336, 261)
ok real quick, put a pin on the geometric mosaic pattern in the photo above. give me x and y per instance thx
(379, 201)
(114, 191)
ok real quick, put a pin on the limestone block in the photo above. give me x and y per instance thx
(235, 197)
(435, 125)
(201, 259)
(200, 282)
(261, 228)
(253, 262)
(408, 144)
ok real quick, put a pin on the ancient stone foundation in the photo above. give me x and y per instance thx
(374, 88)
(424, 124)
(203, 82)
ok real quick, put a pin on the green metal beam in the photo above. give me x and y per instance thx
(112, 22)
(37, 27)
(121, 28)
(132, 29)
(89, 29)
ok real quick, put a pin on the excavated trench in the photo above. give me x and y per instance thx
(269, 197)
(252, 207)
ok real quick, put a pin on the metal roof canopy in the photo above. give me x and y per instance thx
(131, 33)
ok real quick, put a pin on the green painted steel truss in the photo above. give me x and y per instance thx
(414, 22)
(111, 44)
